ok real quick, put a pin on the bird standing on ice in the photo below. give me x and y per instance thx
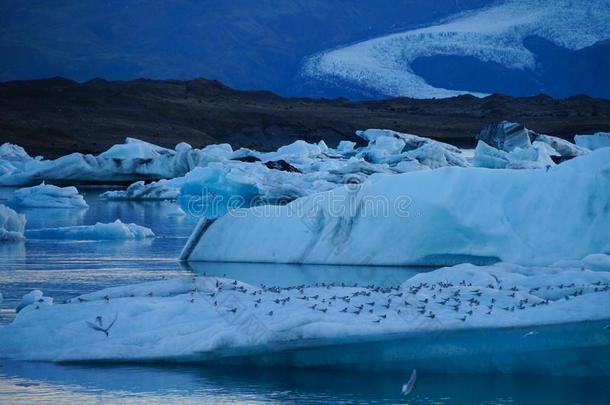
(410, 385)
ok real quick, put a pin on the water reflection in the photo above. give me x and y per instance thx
(286, 275)
(188, 384)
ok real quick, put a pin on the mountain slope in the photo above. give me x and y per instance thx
(248, 44)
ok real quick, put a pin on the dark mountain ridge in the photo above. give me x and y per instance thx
(56, 116)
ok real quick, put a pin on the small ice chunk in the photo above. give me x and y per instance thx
(48, 196)
(116, 230)
(12, 224)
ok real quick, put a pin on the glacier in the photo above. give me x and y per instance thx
(432, 217)
(12, 224)
(116, 230)
(48, 196)
(492, 34)
(496, 318)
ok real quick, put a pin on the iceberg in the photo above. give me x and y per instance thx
(158, 190)
(12, 224)
(537, 156)
(296, 170)
(511, 145)
(13, 159)
(134, 160)
(505, 136)
(432, 217)
(595, 141)
(48, 196)
(498, 318)
(116, 230)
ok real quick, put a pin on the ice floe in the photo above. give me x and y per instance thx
(48, 196)
(432, 217)
(523, 317)
(116, 230)
(12, 224)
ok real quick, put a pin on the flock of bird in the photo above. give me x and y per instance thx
(426, 301)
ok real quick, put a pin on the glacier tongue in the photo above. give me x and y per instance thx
(434, 217)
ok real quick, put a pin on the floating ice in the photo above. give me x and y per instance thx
(48, 196)
(132, 161)
(34, 297)
(502, 318)
(432, 217)
(512, 146)
(158, 190)
(505, 136)
(595, 141)
(537, 156)
(116, 230)
(12, 224)
(13, 159)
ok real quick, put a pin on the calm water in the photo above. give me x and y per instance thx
(63, 269)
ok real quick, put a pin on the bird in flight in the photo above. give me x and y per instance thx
(410, 385)
(99, 324)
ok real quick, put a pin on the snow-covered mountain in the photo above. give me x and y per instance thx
(496, 35)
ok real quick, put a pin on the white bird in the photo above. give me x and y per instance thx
(100, 326)
(531, 333)
(410, 385)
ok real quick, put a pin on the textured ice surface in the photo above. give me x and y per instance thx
(132, 161)
(501, 317)
(493, 34)
(435, 217)
(512, 146)
(595, 141)
(244, 177)
(48, 196)
(111, 231)
(12, 224)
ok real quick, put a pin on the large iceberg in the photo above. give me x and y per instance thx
(499, 318)
(434, 217)
(48, 196)
(12, 224)
(116, 230)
